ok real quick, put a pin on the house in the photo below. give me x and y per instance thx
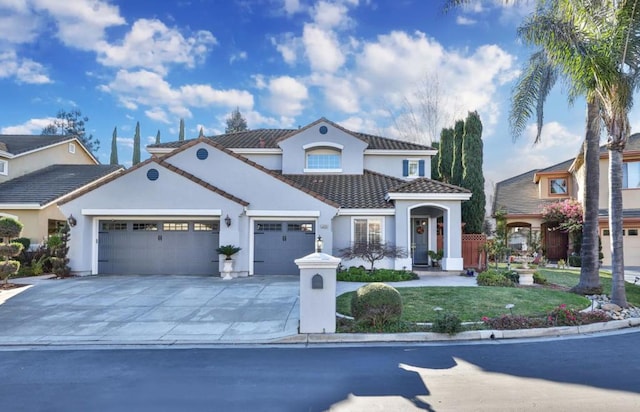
(36, 172)
(522, 197)
(272, 192)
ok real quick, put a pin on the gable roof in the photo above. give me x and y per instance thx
(51, 183)
(17, 145)
(518, 195)
(269, 139)
(425, 185)
(168, 166)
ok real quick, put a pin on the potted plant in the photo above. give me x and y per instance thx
(228, 251)
(436, 257)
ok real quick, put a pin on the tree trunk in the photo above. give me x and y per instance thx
(589, 270)
(618, 293)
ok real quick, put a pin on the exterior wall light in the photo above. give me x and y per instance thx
(227, 221)
(72, 221)
(319, 244)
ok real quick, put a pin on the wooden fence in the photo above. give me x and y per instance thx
(472, 254)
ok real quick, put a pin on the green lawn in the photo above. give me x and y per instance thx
(471, 304)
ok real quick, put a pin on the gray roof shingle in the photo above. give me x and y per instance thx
(425, 185)
(17, 144)
(46, 185)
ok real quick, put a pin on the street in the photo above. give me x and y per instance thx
(584, 373)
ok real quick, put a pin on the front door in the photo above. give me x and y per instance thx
(420, 241)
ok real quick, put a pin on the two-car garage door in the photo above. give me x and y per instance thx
(158, 247)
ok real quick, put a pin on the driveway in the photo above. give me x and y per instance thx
(164, 309)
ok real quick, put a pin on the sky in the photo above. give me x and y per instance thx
(364, 64)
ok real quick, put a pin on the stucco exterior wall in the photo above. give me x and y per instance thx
(270, 161)
(630, 197)
(293, 152)
(391, 165)
(35, 221)
(58, 154)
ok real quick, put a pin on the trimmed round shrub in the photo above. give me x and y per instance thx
(447, 323)
(494, 278)
(376, 304)
(24, 241)
(9, 228)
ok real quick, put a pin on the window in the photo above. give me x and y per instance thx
(324, 159)
(112, 226)
(72, 148)
(631, 175)
(300, 227)
(55, 226)
(175, 227)
(413, 168)
(269, 227)
(558, 186)
(206, 227)
(367, 230)
(4, 167)
(632, 232)
(605, 232)
(145, 226)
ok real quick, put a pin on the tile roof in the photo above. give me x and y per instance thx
(425, 185)
(633, 144)
(17, 144)
(626, 213)
(50, 183)
(519, 194)
(366, 191)
(269, 138)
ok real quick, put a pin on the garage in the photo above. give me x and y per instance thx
(147, 247)
(278, 243)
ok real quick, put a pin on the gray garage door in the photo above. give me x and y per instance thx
(163, 247)
(278, 244)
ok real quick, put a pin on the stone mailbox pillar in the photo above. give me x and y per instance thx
(318, 293)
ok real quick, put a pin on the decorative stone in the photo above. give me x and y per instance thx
(611, 307)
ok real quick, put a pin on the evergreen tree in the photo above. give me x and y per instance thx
(235, 122)
(114, 147)
(434, 162)
(158, 137)
(72, 123)
(136, 146)
(473, 210)
(456, 165)
(181, 135)
(445, 155)
(201, 134)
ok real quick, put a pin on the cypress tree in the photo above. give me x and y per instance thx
(114, 147)
(236, 122)
(445, 155)
(158, 137)
(473, 210)
(181, 135)
(434, 162)
(136, 146)
(201, 132)
(456, 165)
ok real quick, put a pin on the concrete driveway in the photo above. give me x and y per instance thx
(164, 309)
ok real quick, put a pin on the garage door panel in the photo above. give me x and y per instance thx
(278, 244)
(158, 248)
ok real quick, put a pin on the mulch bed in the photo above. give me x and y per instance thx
(9, 286)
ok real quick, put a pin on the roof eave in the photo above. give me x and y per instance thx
(400, 152)
(428, 196)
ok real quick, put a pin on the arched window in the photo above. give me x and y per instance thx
(323, 159)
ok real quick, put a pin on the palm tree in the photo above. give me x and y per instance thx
(529, 95)
(595, 44)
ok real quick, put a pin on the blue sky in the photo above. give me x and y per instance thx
(361, 63)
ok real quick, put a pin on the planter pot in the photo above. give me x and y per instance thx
(526, 276)
(227, 269)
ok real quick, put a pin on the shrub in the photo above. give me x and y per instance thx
(360, 274)
(9, 229)
(560, 316)
(376, 304)
(575, 261)
(539, 279)
(228, 250)
(512, 276)
(510, 322)
(493, 278)
(447, 323)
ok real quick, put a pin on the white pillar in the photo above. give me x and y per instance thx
(318, 293)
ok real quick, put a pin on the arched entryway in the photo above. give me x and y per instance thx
(424, 224)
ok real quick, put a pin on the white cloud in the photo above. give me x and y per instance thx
(152, 45)
(31, 126)
(150, 89)
(238, 56)
(322, 48)
(23, 70)
(288, 46)
(286, 96)
(292, 6)
(329, 15)
(465, 21)
(17, 23)
(158, 114)
(125, 141)
(339, 92)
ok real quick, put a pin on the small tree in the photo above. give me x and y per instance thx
(181, 133)
(136, 146)
(72, 123)
(59, 251)
(236, 122)
(372, 252)
(158, 137)
(114, 147)
(9, 229)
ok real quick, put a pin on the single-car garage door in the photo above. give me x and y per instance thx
(162, 247)
(278, 244)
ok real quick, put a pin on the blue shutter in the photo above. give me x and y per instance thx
(421, 168)
(405, 168)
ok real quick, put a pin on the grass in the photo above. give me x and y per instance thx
(471, 304)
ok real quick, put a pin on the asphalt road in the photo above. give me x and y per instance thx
(581, 374)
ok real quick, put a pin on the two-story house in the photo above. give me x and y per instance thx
(270, 192)
(522, 197)
(36, 172)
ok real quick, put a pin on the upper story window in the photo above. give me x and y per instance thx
(413, 168)
(72, 148)
(4, 167)
(631, 175)
(323, 159)
(558, 186)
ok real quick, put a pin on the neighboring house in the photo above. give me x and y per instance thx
(36, 172)
(522, 198)
(270, 192)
